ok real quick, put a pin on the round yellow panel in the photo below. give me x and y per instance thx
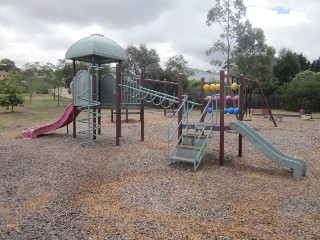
(213, 87)
(206, 87)
(234, 86)
(218, 86)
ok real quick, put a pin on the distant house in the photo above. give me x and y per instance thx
(3, 74)
(208, 76)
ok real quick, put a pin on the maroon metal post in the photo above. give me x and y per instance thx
(99, 121)
(99, 109)
(118, 100)
(127, 115)
(180, 92)
(74, 124)
(142, 106)
(202, 99)
(241, 105)
(165, 86)
(93, 84)
(222, 93)
(112, 115)
(266, 102)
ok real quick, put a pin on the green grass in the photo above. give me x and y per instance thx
(41, 108)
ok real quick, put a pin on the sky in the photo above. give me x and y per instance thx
(43, 30)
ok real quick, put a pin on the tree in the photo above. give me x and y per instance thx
(315, 66)
(11, 93)
(7, 65)
(304, 62)
(252, 56)
(140, 58)
(175, 65)
(287, 66)
(302, 92)
(228, 14)
(30, 77)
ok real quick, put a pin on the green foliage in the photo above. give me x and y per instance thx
(287, 66)
(11, 93)
(252, 56)
(7, 65)
(269, 88)
(304, 62)
(228, 14)
(195, 83)
(139, 58)
(302, 92)
(315, 66)
(193, 90)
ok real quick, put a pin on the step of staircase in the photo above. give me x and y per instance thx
(188, 151)
(190, 139)
(183, 159)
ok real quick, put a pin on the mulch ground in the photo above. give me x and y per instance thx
(53, 188)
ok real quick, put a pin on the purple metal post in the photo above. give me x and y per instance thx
(180, 92)
(222, 89)
(74, 125)
(241, 96)
(118, 100)
(142, 106)
(202, 99)
(93, 83)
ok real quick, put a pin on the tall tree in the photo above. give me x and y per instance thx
(140, 58)
(252, 56)
(302, 92)
(7, 65)
(287, 66)
(11, 92)
(228, 14)
(315, 65)
(31, 77)
(304, 62)
(175, 65)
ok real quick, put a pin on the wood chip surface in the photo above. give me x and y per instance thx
(53, 188)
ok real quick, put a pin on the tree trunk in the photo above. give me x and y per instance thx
(58, 97)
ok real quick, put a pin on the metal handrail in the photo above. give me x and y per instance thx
(89, 109)
(210, 119)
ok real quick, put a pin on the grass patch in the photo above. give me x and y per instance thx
(41, 108)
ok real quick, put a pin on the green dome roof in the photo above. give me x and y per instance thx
(103, 49)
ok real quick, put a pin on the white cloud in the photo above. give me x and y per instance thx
(43, 30)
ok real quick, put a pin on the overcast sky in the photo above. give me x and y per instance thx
(43, 30)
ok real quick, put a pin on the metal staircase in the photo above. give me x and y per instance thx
(84, 98)
(193, 143)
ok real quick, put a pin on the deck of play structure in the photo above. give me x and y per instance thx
(187, 141)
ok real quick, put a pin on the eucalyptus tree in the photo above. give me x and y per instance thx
(228, 14)
(31, 77)
(251, 55)
(140, 58)
(7, 65)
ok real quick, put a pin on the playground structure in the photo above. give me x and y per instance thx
(187, 141)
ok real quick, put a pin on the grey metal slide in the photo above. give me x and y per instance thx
(298, 165)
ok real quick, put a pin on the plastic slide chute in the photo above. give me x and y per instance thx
(65, 119)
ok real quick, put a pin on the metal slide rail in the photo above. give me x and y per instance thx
(92, 126)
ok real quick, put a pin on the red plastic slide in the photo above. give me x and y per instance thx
(64, 120)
